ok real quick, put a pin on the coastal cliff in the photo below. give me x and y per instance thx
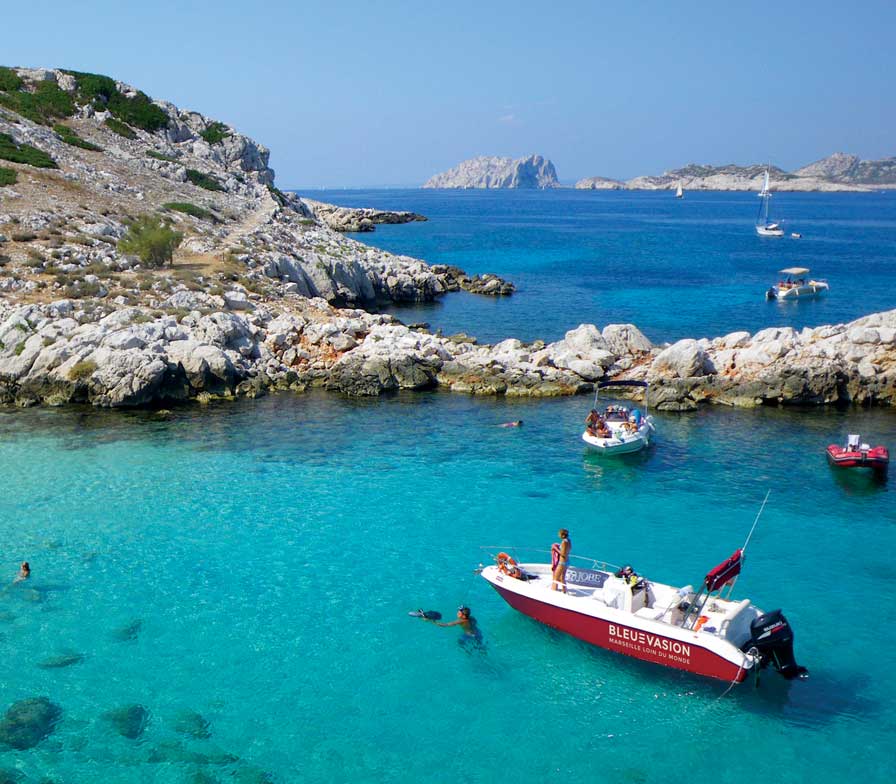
(261, 294)
(837, 172)
(484, 172)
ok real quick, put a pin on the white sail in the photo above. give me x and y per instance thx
(679, 193)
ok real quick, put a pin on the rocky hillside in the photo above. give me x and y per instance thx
(838, 172)
(262, 294)
(850, 169)
(484, 172)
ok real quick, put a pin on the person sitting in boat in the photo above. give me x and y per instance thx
(630, 576)
(591, 421)
(603, 429)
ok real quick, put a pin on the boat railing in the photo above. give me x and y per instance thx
(519, 554)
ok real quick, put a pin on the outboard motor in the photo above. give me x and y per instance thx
(770, 294)
(772, 637)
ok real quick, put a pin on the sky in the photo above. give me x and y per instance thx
(376, 94)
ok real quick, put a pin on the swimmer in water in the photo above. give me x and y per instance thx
(517, 423)
(471, 633)
(24, 572)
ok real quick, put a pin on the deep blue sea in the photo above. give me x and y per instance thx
(254, 562)
(691, 267)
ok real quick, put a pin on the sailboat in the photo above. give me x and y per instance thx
(763, 227)
(679, 194)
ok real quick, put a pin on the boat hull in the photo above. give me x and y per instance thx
(762, 231)
(620, 443)
(626, 639)
(876, 459)
(801, 292)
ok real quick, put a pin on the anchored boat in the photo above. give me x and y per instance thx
(700, 631)
(617, 430)
(858, 455)
(765, 227)
(796, 286)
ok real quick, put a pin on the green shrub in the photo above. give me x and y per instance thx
(120, 128)
(140, 112)
(24, 153)
(203, 180)
(161, 156)
(215, 132)
(81, 370)
(278, 196)
(137, 110)
(70, 137)
(45, 104)
(20, 348)
(9, 79)
(7, 176)
(23, 236)
(191, 209)
(150, 239)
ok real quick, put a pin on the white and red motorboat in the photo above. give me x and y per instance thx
(858, 455)
(696, 631)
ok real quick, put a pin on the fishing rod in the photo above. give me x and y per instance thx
(758, 515)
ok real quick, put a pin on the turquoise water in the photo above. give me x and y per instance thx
(255, 562)
(677, 268)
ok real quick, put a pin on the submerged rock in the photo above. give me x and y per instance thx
(60, 661)
(188, 722)
(9, 776)
(129, 632)
(177, 752)
(28, 722)
(129, 721)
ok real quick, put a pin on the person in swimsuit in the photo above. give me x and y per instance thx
(471, 633)
(24, 572)
(591, 421)
(560, 559)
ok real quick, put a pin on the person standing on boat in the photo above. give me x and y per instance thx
(560, 560)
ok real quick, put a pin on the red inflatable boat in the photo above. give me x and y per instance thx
(858, 455)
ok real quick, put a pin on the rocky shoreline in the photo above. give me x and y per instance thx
(58, 353)
(263, 294)
(354, 219)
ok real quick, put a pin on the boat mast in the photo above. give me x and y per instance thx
(765, 195)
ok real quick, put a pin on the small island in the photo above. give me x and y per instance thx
(837, 172)
(533, 172)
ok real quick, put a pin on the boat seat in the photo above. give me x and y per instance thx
(652, 613)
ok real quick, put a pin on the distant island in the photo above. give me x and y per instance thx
(534, 171)
(837, 172)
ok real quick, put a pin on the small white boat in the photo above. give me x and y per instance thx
(619, 430)
(701, 632)
(796, 235)
(796, 285)
(679, 194)
(764, 227)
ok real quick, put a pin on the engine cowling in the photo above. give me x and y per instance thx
(772, 637)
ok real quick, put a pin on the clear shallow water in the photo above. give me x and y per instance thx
(677, 268)
(271, 550)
